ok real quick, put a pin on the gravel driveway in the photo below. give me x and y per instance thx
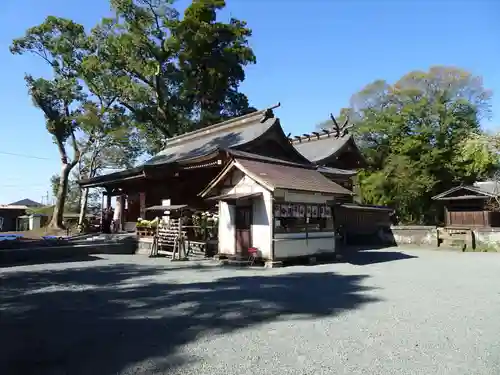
(385, 312)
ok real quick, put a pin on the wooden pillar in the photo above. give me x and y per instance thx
(108, 198)
(118, 214)
(102, 207)
(142, 204)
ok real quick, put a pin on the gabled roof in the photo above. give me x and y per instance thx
(337, 171)
(277, 176)
(132, 173)
(26, 202)
(13, 207)
(225, 135)
(242, 133)
(479, 192)
(250, 156)
(324, 147)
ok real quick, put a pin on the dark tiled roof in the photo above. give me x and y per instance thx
(115, 176)
(251, 156)
(293, 178)
(231, 133)
(336, 171)
(225, 135)
(26, 202)
(486, 189)
(317, 149)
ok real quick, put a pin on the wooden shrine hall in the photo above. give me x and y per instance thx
(192, 162)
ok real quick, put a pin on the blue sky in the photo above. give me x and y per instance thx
(312, 56)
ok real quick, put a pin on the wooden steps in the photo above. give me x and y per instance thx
(461, 238)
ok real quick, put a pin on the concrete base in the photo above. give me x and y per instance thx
(273, 264)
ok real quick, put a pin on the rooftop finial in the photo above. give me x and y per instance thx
(341, 130)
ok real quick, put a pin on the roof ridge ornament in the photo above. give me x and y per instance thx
(341, 130)
(336, 131)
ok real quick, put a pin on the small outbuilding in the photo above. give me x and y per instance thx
(282, 209)
(471, 205)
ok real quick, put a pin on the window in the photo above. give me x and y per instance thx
(302, 218)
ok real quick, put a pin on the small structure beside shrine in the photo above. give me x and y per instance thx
(282, 209)
(471, 205)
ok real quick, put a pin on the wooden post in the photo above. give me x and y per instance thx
(108, 198)
(142, 204)
(102, 208)
(119, 210)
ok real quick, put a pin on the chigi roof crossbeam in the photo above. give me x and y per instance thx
(337, 131)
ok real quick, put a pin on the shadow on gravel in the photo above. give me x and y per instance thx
(31, 261)
(363, 258)
(113, 319)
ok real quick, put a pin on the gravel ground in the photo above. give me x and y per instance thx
(384, 312)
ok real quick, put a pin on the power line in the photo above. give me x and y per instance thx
(22, 186)
(24, 155)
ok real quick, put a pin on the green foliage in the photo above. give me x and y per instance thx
(486, 248)
(148, 224)
(46, 210)
(480, 151)
(74, 194)
(61, 44)
(72, 201)
(172, 74)
(136, 79)
(415, 137)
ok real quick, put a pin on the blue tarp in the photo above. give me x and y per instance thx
(7, 237)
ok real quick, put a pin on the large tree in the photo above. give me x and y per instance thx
(61, 44)
(146, 73)
(412, 134)
(172, 73)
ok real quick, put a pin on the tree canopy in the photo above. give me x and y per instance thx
(173, 74)
(135, 79)
(413, 135)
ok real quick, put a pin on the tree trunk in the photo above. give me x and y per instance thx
(57, 216)
(83, 206)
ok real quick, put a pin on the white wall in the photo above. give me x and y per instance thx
(303, 197)
(262, 224)
(34, 222)
(227, 236)
(236, 183)
(289, 245)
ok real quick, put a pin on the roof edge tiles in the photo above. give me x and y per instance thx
(323, 148)
(223, 126)
(229, 134)
(474, 189)
(277, 176)
(136, 172)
